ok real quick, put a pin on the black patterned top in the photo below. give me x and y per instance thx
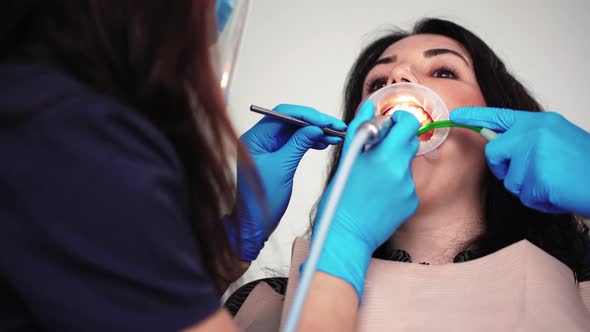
(398, 255)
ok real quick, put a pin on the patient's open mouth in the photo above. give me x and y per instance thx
(423, 117)
(424, 104)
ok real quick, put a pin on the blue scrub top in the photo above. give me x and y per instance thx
(95, 232)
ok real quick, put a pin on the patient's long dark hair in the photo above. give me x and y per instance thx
(507, 220)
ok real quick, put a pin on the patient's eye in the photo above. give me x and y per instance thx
(444, 73)
(376, 84)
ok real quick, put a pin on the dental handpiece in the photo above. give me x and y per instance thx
(377, 129)
(293, 120)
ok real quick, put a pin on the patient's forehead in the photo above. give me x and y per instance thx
(417, 44)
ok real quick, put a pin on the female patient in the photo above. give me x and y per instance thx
(462, 205)
(464, 211)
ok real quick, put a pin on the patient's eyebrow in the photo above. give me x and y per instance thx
(427, 54)
(440, 51)
(386, 60)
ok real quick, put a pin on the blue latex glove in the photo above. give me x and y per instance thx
(379, 196)
(276, 148)
(542, 157)
(223, 10)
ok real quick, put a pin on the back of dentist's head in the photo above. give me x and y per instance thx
(153, 57)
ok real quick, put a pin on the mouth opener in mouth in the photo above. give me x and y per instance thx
(418, 111)
(424, 104)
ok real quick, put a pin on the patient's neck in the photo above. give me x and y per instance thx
(437, 234)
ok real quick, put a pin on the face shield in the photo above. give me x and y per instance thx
(231, 20)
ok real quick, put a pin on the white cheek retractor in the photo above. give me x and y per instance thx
(421, 102)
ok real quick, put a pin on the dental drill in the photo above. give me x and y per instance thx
(368, 135)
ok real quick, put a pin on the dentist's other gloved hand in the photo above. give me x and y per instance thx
(276, 148)
(379, 196)
(542, 157)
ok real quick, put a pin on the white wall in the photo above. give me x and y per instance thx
(300, 51)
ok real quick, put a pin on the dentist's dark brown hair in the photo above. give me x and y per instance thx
(152, 56)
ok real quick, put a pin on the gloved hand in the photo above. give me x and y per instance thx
(276, 148)
(542, 157)
(223, 10)
(378, 197)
